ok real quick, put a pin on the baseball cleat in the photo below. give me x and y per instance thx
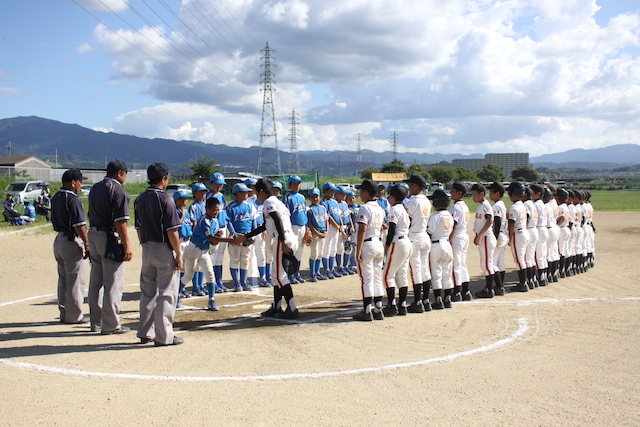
(176, 341)
(313, 278)
(271, 312)
(293, 280)
(237, 287)
(521, 288)
(378, 315)
(329, 275)
(467, 296)
(485, 293)
(363, 317)
(321, 276)
(120, 330)
(246, 286)
(402, 310)
(416, 307)
(437, 305)
(288, 314)
(212, 305)
(457, 297)
(426, 305)
(390, 311)
(299, 278)
(499, 291)
(447, 302)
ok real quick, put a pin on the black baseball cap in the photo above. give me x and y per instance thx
(73, 175)
(157, 170)
(478, 187)
(369, 186)
(459, 186)
(497, 186)
(439, 195)
(516, 188)
(417, 179)
(116, 165)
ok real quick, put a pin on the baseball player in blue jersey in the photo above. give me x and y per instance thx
(241, 219)
(196, 210)
(334, 229)
(351, 234)
(184, 233)
(295, 202)
(216, 182)
(345, 220)
(317, 222)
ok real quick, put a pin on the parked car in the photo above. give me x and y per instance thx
(86, 189)
(172, 188)
(21, 190)
(347, 186)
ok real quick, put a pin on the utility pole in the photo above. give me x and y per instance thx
(294, 159)
(359, 166)
(268, 134)
(394, 145)
(8, 148)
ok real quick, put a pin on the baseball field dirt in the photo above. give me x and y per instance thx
(565, 354)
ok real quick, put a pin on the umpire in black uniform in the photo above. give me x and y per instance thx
(70, 246)
(110, 247)
(157, 223)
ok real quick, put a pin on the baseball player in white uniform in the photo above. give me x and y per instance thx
(439, 227)
(553, 255)
(543, 234)
(460, 243)
(485, 240)
(419, 208)
(564, 234)
(398, 250)
(532, 223)
(370, 252)
(518, 234)
(496, 192)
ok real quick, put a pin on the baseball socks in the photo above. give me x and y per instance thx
(522, 278)
(292, 310)
(466, 294)
(447, 298)
(498, 288)
(426, 287)
(457, 295)
(377, 308)
(416, 306)
(392, 308)
(438, 304)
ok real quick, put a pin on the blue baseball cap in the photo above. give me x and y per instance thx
(181, 194)
(276, 184)
(250, 181)
(240, 187)
(349, 193)
(198, 186)
(294, 178)
(329, 186)
(217, 178)
(313, 191)
(404, 185)
(341, 189)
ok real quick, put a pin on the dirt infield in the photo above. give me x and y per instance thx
(566, 354)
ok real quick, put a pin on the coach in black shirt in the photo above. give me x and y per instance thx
(157, 223)
(108, 215)
(67, 216)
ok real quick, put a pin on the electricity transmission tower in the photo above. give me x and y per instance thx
(359, 166)
(294, 159)
(268, 154)
(394, 146)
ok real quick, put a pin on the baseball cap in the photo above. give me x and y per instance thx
(250, 181)
(181, 194)
(294, 178)
(115, 166)
(350, 193)
(439, 195)
(417, 179)
(198, 186)
(497, 186)
(404, 185)
(157, 170)
(459, 186)
(515, 189)
(313, 191)
(73, 175)
(342, 189)
(240, 187)
(369, 186)
(277, 184)
(479, 188)
(217, 178)
(329, 186)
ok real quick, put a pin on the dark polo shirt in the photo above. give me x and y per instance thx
(66, 211)
(108, 203)
(155, 214)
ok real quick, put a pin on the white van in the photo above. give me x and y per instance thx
(21, 190)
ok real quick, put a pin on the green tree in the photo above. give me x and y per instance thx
(395, 166)
(203, 168)
(418, 169)
(490, 173)
(366, 173)
(442, 174)
(462, 174)
(526, 172)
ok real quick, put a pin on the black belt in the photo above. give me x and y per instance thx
(101, 228)
(371, 238)
(400, 237)
(435, 241)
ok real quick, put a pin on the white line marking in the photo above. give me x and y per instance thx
(522, 328)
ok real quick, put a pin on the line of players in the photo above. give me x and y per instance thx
(550, 232)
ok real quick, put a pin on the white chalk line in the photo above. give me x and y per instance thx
(522, 328)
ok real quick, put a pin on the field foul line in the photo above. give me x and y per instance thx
(522, 328)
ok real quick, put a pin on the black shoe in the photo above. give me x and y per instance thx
(457, 297)
(145, 340)
(176, 341)
(402, 311)
(85, 319)
(120, 330)
(467, 296)
(390, 311)
(288, 314)
(485, 293)
(437, 305)
(416, 307)
(378, 315)
(363, 317)
(427, 305)
(498, 291)
(96, 328)
(272, 312)
(447, 302)
(521, 288)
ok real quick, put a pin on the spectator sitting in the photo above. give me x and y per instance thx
(9, 211)
(43, 208)
(29, 213)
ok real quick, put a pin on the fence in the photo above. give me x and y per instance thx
(135, 176)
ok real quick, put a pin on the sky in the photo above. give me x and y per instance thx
(455, 76)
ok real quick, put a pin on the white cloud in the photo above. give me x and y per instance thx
(104, 5)
(84, 48)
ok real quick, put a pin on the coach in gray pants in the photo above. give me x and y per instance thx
(157, 223)
(108, 216)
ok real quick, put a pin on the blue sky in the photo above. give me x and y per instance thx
(449, 77)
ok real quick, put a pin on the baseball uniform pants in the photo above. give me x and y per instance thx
(498, 254)
(530, 254)
(460, 246)
(440, 261)
(419, 260)
(370, 269)
(72, 272)
(280, 277)
(541, 248)
(192, 258)
(396, 268)
(519, 247)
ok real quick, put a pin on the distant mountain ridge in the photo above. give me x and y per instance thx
(82, 147)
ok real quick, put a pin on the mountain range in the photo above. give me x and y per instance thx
(74, 145)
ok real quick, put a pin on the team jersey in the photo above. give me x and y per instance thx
(345, 214)
(499, 209)
(418, 208)
(317, 216)
(273, 204)
(197, 209)
(518, 215)
(532, 220)
(541, 212)
(553, 211)
(563, 211)
(222, 216)
(186, 226)
(398, 215)
(297, 206)
(205, 228)
(241, 216)
(577, 219)
(371, 214)
(551, 215)
(440, 225)
(385, 205)
(332, 209)
(572, 214)
(460, 214)
(353, 210)
(484, 212)
(259, 208)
